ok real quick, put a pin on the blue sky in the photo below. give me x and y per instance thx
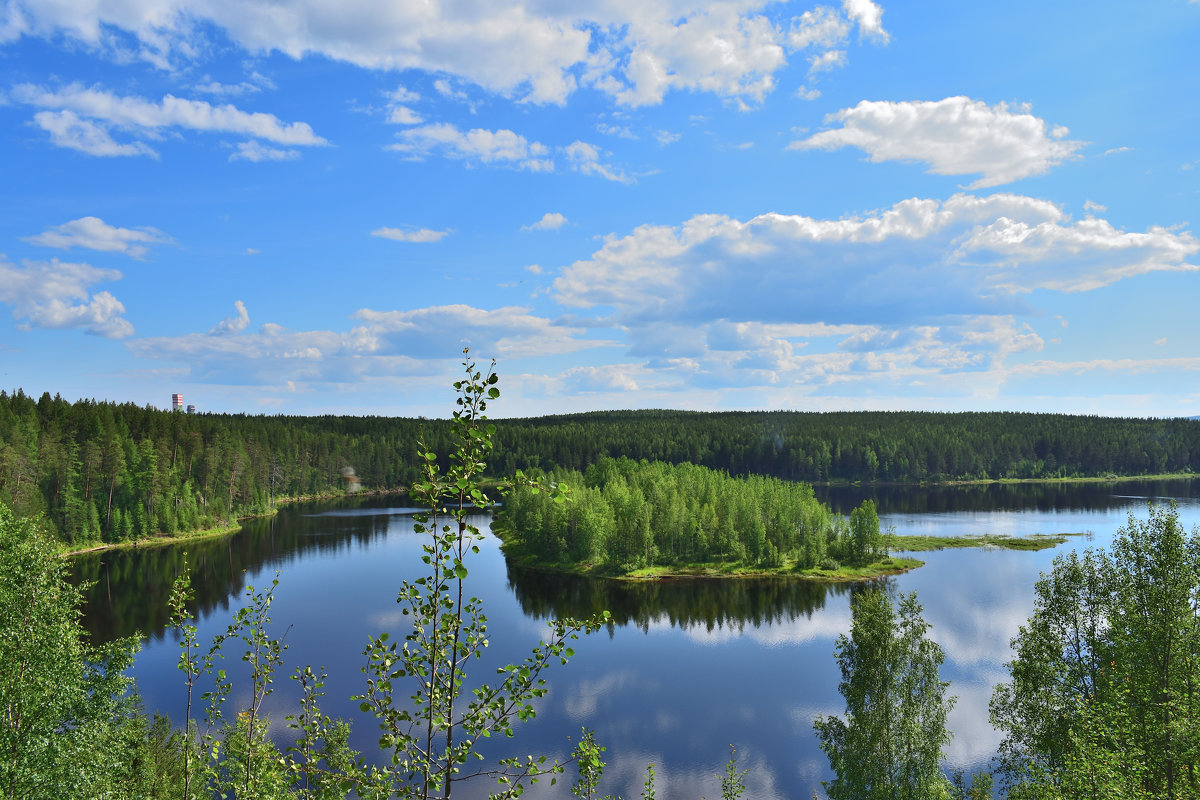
(311, 207)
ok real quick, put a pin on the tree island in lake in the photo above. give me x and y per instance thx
(640, 519)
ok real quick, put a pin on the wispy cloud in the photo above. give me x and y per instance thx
(587, 159)
(93, 233)
(499, 147)
(84, 118)
(503, 148)
(824, 62)
(67, 130)
(419, 235)
(255, 83)
(256, 151)
(550, 221)
(379, 344)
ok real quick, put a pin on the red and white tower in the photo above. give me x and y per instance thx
(177, 402)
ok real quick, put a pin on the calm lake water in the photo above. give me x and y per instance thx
(687, 668)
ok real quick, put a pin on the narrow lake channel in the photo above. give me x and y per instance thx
(687, 668)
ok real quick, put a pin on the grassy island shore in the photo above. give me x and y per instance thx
(517, 553)
(1038, 541)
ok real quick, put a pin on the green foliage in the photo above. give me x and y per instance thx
(250, 764)
(234, 757)
(433, 734)
(733, 780)
(865, 541)
(68, 725)
(648, 786)
(889, 746)
(637, 515)
(320, 761)
(229, 757)
(982, 784)
(189, 662)
(588, 765)
(434, 737)
(629, 515)
(1104, 696)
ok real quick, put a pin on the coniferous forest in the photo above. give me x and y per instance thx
(107, 472)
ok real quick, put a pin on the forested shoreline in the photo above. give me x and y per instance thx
(102, 472)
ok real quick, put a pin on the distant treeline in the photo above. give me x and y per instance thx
(102, 471)
(627, 514)
(897, 446)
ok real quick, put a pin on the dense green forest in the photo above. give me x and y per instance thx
(630, 514)
(899, 446)
(107, 472)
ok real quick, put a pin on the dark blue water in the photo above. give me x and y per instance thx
(687, 668)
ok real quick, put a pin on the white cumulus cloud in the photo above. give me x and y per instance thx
(910, 294)
(916, 260)
(254, 84)
(869, 17)
(56, 294)
(954, 136)
(827, 30)
(541, 53)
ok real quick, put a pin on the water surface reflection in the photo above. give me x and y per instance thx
(687, 666)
